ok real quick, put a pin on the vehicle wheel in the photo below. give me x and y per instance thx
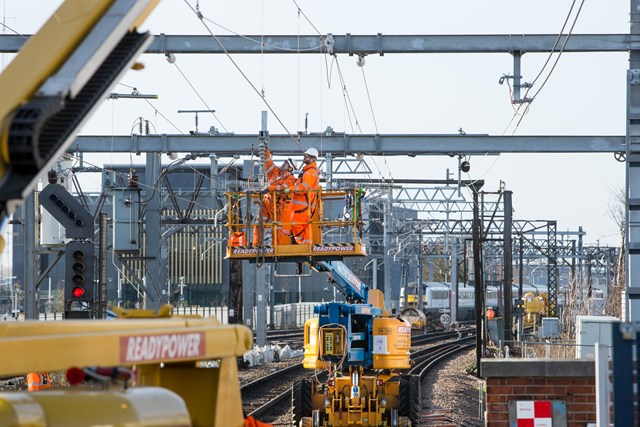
(301, 400)
(410, 400)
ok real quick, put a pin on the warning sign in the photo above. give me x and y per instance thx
(537, 413)
(380, 344)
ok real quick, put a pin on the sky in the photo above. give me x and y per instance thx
(407, 93)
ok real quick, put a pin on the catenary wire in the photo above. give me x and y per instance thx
(564, 44)
(373, 114)
(307, 18)
(154, 108)
(271, 46)
(344, 89)
(13, 31)
(199, 96)
(201, 17)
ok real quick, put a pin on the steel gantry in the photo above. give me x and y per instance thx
(343, 144)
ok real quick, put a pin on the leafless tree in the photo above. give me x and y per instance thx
(617, 213)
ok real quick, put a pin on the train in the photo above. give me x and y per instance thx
(437, 296)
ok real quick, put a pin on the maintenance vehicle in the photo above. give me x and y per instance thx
(356, 343)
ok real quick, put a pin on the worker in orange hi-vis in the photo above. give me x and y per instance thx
(252, 422)
(490, 313)
(237, 238)
(278, 179)
(304, 203)
(38, 381)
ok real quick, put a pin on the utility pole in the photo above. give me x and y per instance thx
(508, 264)
(153, 253)
(30, 257)
(478, 277)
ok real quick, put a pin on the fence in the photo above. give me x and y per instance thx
(284, 315)
(544, 350)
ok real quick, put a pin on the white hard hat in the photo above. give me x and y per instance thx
(312, 152)
(292, 165)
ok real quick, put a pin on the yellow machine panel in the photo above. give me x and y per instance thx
(136, 407)
(391, 343)
(332, 342)
(310, 359)
(165, 352)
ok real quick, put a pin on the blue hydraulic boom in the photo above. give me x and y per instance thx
(345, 280)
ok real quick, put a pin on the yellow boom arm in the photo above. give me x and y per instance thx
(56, 81)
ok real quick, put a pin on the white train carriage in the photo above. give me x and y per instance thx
(439, 297)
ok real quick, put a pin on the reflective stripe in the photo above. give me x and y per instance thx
(270, 168)
(297, 202)
(306, 185)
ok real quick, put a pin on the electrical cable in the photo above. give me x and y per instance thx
(564, 44)
(13, 31)
(154, 108)
(200, 97)
(373, 114)
(201, 17)
(347, 97)
(307, 18)
(141, 185)
(271, 46)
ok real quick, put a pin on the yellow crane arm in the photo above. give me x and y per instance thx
(57, 79)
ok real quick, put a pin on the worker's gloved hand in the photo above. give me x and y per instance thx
(265, 191)
(287, 190)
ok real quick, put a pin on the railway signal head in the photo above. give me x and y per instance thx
(78, 271)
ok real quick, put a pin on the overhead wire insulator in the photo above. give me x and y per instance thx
(52, 177)
(133, 179)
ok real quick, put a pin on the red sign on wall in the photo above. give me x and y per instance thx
(534, 413)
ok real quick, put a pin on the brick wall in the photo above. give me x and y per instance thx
(572, 381)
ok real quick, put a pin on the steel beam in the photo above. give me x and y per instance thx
(343, 144)
(631, 305)
(372, 44)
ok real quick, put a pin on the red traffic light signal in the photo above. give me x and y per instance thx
(79, 272)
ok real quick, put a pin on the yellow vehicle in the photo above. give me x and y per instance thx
(362, 349)
(172, 386)
(416, 318)
(534, 307)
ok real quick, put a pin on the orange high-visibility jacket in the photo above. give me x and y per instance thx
(309, 179)
(278, 179)
(252, 422)
(238, 238)
(38, 381)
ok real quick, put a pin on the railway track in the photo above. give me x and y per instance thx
(261, 396)
(425, 361)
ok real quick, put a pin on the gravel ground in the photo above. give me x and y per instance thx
(247, 375)
(452, 390)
